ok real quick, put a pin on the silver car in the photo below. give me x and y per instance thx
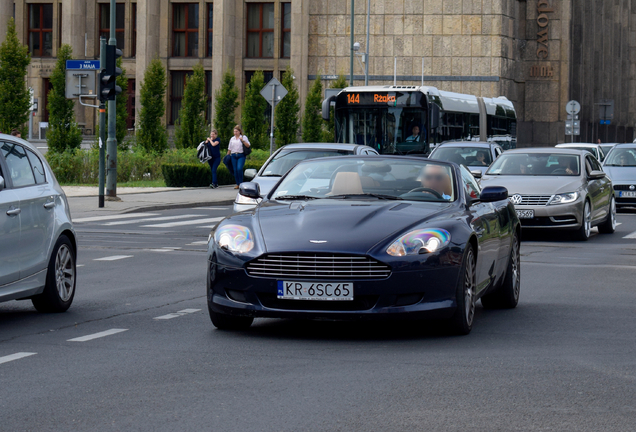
(556, 188)
(475, 155)
(38, 246)
(620, 166)
(595, 149)
(285, 158)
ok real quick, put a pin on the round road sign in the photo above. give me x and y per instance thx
(573, 107)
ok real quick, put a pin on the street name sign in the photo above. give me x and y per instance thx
(82, 64)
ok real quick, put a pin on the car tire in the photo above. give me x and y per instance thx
(507, 295)
(583, 232)
(462, 320)
(59, 289)
(609, 226)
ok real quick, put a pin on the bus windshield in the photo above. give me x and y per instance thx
(389, 130)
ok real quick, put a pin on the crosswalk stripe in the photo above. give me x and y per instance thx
(97, 335)
(113, 258)
(176, 314)
(163, 218)
(197, 243)
(113, 217)
(630, 236)
(183, 223)
(16, 356)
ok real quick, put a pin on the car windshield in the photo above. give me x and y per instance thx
(286, 159)
(366, 178)
(592, 150)
(469, 156)
(625, 157)
(536, 164)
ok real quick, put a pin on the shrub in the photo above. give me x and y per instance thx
(191, 127)
(312, 122)
(14, 95)
(198, 174)
(151, 133)
(286, 119)
(225, 103)
(253, 118)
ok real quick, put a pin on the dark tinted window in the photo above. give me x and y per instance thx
(18, 164)
(38, 168)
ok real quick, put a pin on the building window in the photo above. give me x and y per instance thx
(210, 24)
(104, 23)
(41, 30)
(133, 46)
(285, 50)
(260, 30)
(185, 28)
(130, 105)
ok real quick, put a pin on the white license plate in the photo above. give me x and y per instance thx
(626, 194)
(525, 214)
(315, 290)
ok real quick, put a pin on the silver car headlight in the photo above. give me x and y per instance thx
(565, 198)
(419, 241)
(234, 238)
(240, 199)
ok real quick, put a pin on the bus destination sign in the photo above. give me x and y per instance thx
(368, 98)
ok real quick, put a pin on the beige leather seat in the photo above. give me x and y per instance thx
(346, 183)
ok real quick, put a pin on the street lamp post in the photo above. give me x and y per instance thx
(366, 57)
(352, 23)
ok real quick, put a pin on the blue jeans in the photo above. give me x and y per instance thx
(214, 164)
(238, 162)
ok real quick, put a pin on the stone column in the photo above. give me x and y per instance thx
(299, 57)
(6, 12)
(224, 42)
(148, 35)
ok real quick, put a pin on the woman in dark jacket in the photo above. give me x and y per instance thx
(213, 142)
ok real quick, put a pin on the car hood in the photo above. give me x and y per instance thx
(533, 185)
(266, 184)
(621, 174)
(335, 225)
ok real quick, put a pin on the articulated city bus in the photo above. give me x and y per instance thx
(411, 119)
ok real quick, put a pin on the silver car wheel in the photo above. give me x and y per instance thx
(64, 273)
(587, 219)
(469, 287)
(515, 266)
(613, 212)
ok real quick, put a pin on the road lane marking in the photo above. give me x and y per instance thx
(197, 243)
(176, 314)
(163, 218)
(112, 217)
(164, 249)
(630, 236)
(113, 258)
(80, 265)
(212, 208)
(16, 356)
(183, 223)
(97, 335)
(601, 266)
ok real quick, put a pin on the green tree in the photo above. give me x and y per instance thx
(329, 130)
(151, 133)
(253, 117)
(14, 95)
(312, 119)
(225, 104)
(122, 110)
(191, 127)
(63, 133)
(287, 112)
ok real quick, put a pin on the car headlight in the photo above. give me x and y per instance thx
(565, 198)
(240, 199)
(419, 241)
(234, 238)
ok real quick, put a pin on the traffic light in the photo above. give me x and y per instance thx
(108, 88)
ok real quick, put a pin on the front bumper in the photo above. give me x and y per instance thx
(560, 216)
(428, 293)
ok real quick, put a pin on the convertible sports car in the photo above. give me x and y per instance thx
(359, 237)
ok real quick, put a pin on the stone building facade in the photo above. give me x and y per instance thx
(537, 53)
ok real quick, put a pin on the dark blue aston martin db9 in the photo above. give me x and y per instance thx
(363, 237)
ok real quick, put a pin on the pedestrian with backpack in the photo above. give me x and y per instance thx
(214, 147)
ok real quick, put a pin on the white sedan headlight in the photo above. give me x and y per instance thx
(240, 199)
(420, 241)
(565, 198)
(234, 238)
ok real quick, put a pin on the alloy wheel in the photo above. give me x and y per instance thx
(587, 219)
(64, 273)
(613, 212)
(469, 287)
(515, 264)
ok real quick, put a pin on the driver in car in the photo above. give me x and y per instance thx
(416, 135)
(567, 164)
(436, 177)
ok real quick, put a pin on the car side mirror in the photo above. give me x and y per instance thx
(250, 190)
(493, 193)
(597, 175)
(1, 183)
(249, 173)
(476, 174)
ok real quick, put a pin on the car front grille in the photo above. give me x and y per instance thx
(624, 187)
(535, 200)
(317, 266)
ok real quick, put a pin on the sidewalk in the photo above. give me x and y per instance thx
(83, 200)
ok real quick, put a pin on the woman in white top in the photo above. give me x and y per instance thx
(235, 149)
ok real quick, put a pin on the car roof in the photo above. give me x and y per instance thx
(556, 150)
(566, 145)
(326, 146)
(625, 145)
(479, 144)
(21, 141)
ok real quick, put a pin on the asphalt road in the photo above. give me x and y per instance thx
(564, 360)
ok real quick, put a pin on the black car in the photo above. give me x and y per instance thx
(362, 237)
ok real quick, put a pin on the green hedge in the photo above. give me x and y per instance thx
(198, 174)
